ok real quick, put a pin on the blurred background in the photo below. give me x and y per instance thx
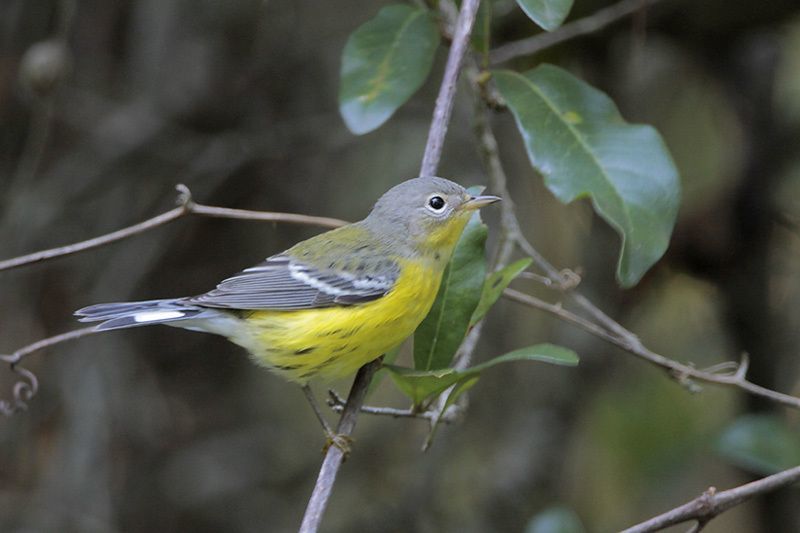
(105, 105)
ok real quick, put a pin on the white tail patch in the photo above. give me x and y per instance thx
(155, 316)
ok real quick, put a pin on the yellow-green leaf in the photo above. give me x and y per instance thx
(420, 385)
(494, 286)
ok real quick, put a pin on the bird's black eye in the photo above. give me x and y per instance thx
(436, 203)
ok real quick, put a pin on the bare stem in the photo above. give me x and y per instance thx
(186, 207)
(26, 388)
(711, 503)
(583, 26)
(447, 91)
(684, 374)
(337, 404)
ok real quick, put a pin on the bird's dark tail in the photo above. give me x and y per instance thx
(132, 314)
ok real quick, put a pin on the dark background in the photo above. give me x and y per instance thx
(160, 429)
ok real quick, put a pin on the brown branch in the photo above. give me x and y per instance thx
(26, 388)
(583, 26)
(711, 503)
(683, 374)
(186, 207)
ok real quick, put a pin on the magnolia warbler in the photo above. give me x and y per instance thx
(334, 302)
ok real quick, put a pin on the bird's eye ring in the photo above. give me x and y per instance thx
(436, 204)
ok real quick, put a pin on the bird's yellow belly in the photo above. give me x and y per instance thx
(334, 342)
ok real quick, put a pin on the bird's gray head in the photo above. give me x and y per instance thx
(425, 212)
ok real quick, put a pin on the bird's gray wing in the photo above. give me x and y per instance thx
(285, 283)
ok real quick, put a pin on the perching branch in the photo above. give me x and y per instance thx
(583, 26)
(334, 456)
(711, 503)
(430, 163)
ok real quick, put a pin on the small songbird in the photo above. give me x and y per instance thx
(332, 303)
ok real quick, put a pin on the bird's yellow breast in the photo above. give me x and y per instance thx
(334, 342)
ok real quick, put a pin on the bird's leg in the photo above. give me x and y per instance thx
(342, 442)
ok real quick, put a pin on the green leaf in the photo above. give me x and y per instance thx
(764, 444)
(494, 286)
(481, 31)
(419, 385)
(549, 14)
(556, 520)
(384, 62)
(577, 139)
(545, 353)
(440, 334)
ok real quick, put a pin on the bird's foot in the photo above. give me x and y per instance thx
(339, 440)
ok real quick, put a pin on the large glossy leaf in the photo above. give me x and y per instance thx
(764, 444)
(440, 334)
(420, 385)
(549, 14)
(577, 139)
(384, 62)
(494, 286)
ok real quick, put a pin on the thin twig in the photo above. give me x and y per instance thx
(711, 503)
(490, 157)
(244, 214)
(26, 388)
(684, 374)
(563, 314)
(17, 356)
(186, 207)
(583, 26)
(337, 404)
(334, 456)
(447, 91)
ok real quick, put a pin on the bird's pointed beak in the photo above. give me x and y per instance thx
(476, 202)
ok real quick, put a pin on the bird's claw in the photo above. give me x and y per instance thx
(341, 441)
